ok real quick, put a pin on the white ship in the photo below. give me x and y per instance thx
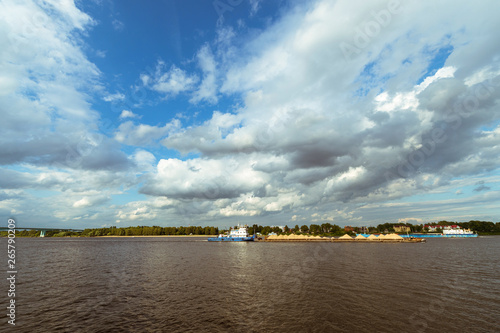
(455, 232)
(458, 232)
(235, 235)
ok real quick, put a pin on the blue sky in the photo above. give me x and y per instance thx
(221, 112)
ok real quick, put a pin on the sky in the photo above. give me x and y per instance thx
(170, 113)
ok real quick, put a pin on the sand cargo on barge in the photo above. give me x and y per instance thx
(390, 238)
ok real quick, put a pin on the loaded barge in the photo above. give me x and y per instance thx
(391, 238)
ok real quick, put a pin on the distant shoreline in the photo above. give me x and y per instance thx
(157, 236)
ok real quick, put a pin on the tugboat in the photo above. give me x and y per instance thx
(235, 235)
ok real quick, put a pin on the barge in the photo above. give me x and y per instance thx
(392, 238)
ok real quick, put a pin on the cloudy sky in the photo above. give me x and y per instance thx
(244, 111)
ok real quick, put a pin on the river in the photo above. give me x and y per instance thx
(191, 285)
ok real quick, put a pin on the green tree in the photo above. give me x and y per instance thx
(336, 230)
(314, 229)
(326, 228)
(266, 230)
(276, 230)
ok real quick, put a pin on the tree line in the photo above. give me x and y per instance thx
(151, 231)
(480, 227)
(325, 229)
(126, 231)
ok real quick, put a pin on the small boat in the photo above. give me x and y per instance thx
(235, 235)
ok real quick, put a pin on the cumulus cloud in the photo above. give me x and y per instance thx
(174, 81)
(312, 135)
(169, 82)
(86, 202)
(385, 124)
(129, 114)
(47, 117)
(205, 138)
(144, 160)
(204, 179)
(142, 134)
(52, 153)
(114, 97)
(207, 90)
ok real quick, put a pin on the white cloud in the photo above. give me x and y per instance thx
(484, 74)
(114, 97)
(68, 11)
(170, 82)
(49, 69)
(137, 213)
(207, 90)
(129, 114)
(100, 53)
(47, 113)
(86, 202)
(310, 136)
(118, 25)
(409, 100)
(204, 179)
(333, 128)
(203, 138)
(145, 160)
(143, 134)
(342, 181)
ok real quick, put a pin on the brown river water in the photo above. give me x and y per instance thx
(191, 285)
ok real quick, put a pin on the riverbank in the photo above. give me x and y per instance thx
(138, 236)
(112, 236)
